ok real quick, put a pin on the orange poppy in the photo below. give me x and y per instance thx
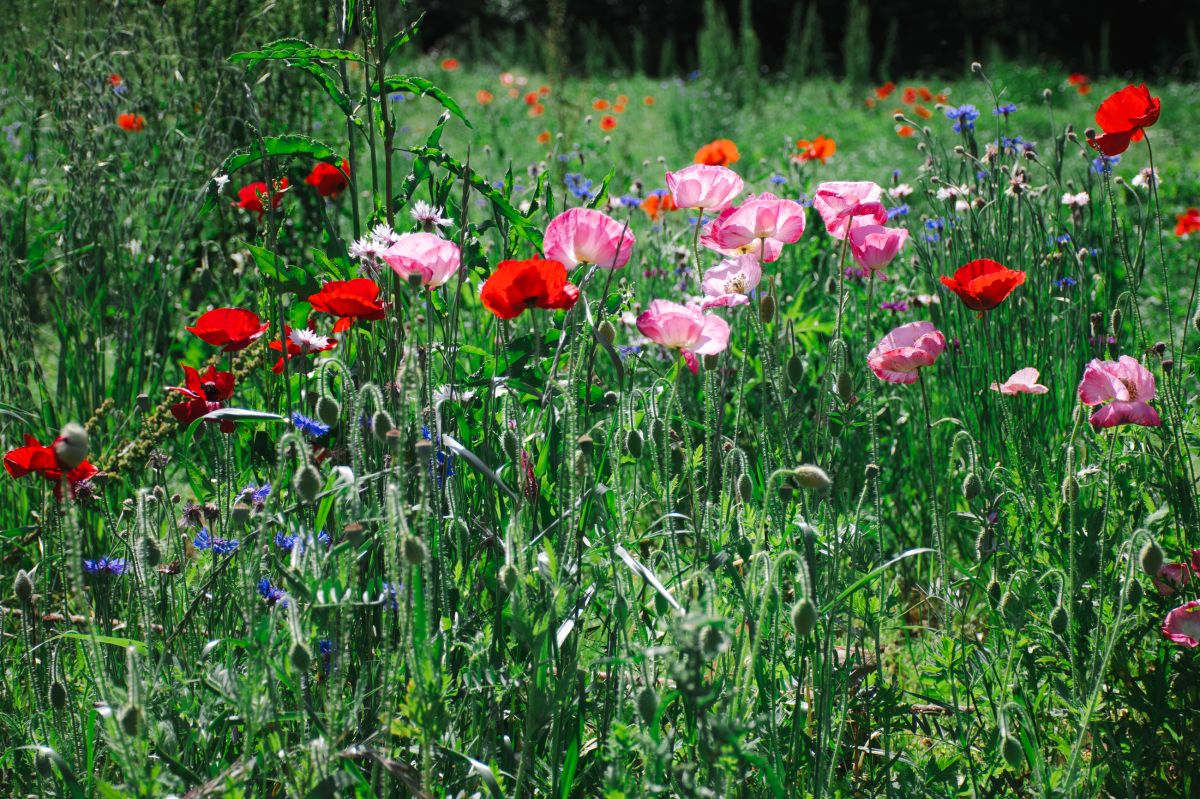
(719, 152)
(543, 137)
(537, 110)
(449, 64)
(924, 94)
(922, 111)
(131, 122)
(885, 91)
(484, 97)
(647, 100)
(819, 149)
(657, 204)
(910, 95)
(904, 131)
(600, 105)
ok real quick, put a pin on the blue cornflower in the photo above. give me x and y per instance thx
(288, 542)
(1103, 164)
(309, 426)
(110, 566)
(778, 180)
(397, 97)
(895, 175)
(255, 494)
(932, 238)
(10, 133)
(444, 465)
(626, 350)
(935, 224)
(693, 75)
(899, 210)
(1065, 282)
(1063, 239)
(219, 546)
(629, 201)
(981, 175)
(964, 116)
(390, 595)
(325, 650)
(273, 594)
(1004, 110)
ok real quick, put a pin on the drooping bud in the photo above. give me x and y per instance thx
(23, 587)
(647, 703)
(1133, 594)
(844, 387)
(745, 488)
(1058, 620)
(971, 486)
(131, 720)
(1151, 558)
(307, 483)
(766, 308)
(606, 332)
(585, 444)
(804, 616)
(810, 476)
(1114, 320)
(1014, 755)
(382, 424)
(329, 411)
(634, 443)
(300, 656)
(415, 551)
(795, 370)
(71, 446)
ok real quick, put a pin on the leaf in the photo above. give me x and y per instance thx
(273, 267)
(423, 87)
(871, 575)
(648, 576)
(111, 640)
(287, 144)
(294, 48)
(328, 83)
(602, 192)
(458, 449)
(242, 415)
(403, 37)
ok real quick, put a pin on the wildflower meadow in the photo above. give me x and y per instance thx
(382, 417)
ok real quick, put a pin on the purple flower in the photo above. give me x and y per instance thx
(273, 594)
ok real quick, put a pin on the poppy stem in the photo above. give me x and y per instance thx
(939, 543)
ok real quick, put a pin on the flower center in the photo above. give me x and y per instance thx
(1130, 389)
(736, 284)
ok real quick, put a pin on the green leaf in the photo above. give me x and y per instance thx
(111, 640)
(288, 144)
(423, 87)
(294, 48)
(328, 83)
(293, 278)
(402, 38)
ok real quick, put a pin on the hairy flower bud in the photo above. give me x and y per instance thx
(382, 424)
(745, 488)
(23, 587)
(307, 483)
(1058, 620)
(971, 486)
(647, 703)
(606, 332)
(415, 551)
(1014, 755)
(1151, 558)
(810, 476)
(58, 695)
(804, 616)
(71, 446)
(634, 443)
(300, 656)
(329, 410)
(131, 720)
(766, 308)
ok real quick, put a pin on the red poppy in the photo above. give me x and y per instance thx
(131, 122)
(250, 197)
(300, 342)
(924, 94)
(983, 284)
(600, 105)
(922, 111)
(484, 97)
(531, 98)
(885, 91)
(205, 392)
(33, 458)
(449, 64)
(1188, 222)
(910, 95)
(719, 152)
(349, 300)
(231, 329)
(608, 123)
(1078, 79)
(905, 131)
(819, 149)
(115, 80)
(537, 110)
(1123, 117)
(328, 180)
(517, 285)
(647, 100)
(543, 137)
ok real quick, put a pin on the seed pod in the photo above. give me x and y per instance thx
(71, 446)
(606, 332)
(307, 483)
(994, 589)
(634, 443)
(1011, 609)
(711, 362)
(810, 476)
(585, 444)
(1151, 558)
(1014, 754)
(766, 308)
(300, 656)
(382, 424)
(131, 720)
(415, 551)
(844, 387)
(1070, 489)
(647, 703)
(23, 587)
(151, 551)
(745, 488)
(510, 445)
(804, 617)
(143, 403)
(1058, 620)
(971, 486)
(795, 369)
(58, 695)
(1167, 365)
(239, 514)
(329, 411)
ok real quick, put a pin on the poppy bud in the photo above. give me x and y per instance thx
(23, 587)
(1168, 365)
(1070, 489)
(307, 483)
(415, 551)
(1089, 134)
(647, 703)
(131, 720)
(143, 402)
(976, 66)
(1151, 558)
(871, 471)
(1047, 94)
(1014, 755)
(1196, 321)
(897, 117)
(804, 617)
(745, 488)
(382, 424)
(151, 551)
(58, 695)
(994, 590)
(1012, 610)
(585, 444)
(712, 641)
(984, 545)
(239, 514)
(766, 308)
(810, 476)
(1159, 347)
(43, 763)
(844, 387)
(510, 445)
(710, 362)
(658, 430)
(1133, 594)
(329, 411)
(71, 446)
(300, 656)
(634, 443)
(1058, 620)
(795, 369)
(606, 332)
(960, 150)
(508, 577)
(971, 486)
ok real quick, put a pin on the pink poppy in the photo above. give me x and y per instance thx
(426, 254)
(684, 328)
(1182, 625)
(1196, 560)
(730, 281)
(762, 217)
(1171, 577)
(1023, 381)
(1128, 385)
(899, 354)
(584, 235)
(846, 204)
(767, 250)
(874, 246)
(711, 188)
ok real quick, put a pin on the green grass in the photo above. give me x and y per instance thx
(601, 582)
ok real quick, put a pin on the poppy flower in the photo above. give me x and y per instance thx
(449, 64)
(819, 149)
(1081, 82)
(484, 97)
(843, 205)
(1182, 625)
(1126, 386)
(250, 197)
(231, 329)
(761, 217)
(1123, 117)
(115, 80)
(924, 93)
(204, 392)
(684, 328)
(328, 180)
(608, 123)
(766, 250)
(647, 100)
(534, 283)
(720, 152)
(729, 282)
(922, 112)
(543, 137)
(349, 300)
(531, 99)
(301, 341)
(33, 458)
(875, 246)
(1023, 381)
(1188, 222)
(1171, 577)
(584, 235)
(131, 122)
(909, 96)
(657, 204)
(899, 354)
(711, 188)
(983, 284)
(905, 131)
(885, 91)
(537, 110)
(543, 90)
(426, 256)
(600, 105)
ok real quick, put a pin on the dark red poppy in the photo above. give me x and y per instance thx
(301, 341)
(205, 392)
(983, 284)
(1123, 117)
(328, 180)
(349, 300)
(517, 285)
(251, 196)
(231, 329)
(33, 458)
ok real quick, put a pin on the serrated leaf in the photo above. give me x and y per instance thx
(403, 37)
(423, 87)
(294, 48)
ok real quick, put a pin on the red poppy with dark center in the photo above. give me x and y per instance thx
(205, 392)
(300, 342)
(250, 197)
(231, 329)
(1123, 117)
(131, 122)
(33, 458)
(349, 300)
(535, 283)
(328, 180)
(983, 284)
